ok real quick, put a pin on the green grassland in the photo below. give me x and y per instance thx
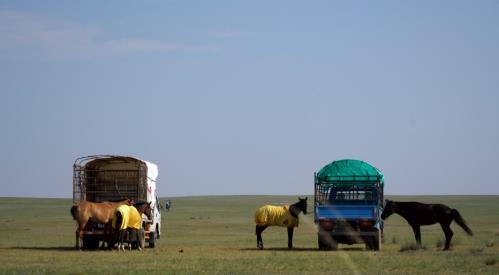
(216, 235)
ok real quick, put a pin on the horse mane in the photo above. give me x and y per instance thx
(295, 208)
(118, 200)
(139, 203)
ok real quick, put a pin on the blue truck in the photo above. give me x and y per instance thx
(348, 203)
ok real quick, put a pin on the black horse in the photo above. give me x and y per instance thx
(418, 214)
(284, 216)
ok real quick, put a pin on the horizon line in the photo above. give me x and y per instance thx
(248, 195)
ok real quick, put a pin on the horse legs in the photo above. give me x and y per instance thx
(417, 234)
(109, 236)
(135, 238)
(131, 239)
(125, 239)
(290, 237)
(121, 240)
(104, 238)
(259, 230)
(118, 238)
(80, 239)
(79, 235)
(121, 237)
(120, 232)
(448, 234)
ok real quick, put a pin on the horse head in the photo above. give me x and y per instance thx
(144, 208)
(302, 204)
(148, 210)
(388, 210)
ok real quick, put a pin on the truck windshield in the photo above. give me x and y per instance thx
(352, 196)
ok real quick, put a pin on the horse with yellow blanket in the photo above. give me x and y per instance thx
(129, 218)
(284, 216)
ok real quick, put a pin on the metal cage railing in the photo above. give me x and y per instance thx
(99, 185)
(357, 188)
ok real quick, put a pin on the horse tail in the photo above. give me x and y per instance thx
(457, 217)
(74, 208)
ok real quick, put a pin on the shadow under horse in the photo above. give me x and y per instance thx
(418, 214)
(284, 216)
(129, 219)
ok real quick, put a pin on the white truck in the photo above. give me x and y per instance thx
(110, 178)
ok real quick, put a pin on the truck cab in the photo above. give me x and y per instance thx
(348, 204)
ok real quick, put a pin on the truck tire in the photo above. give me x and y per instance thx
(322, 245)
(333, 245)
(152, 239)
(373, 242)
(377, 241)
(326, 241)
(141, 238)
(90, 242)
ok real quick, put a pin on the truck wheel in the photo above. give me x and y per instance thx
(321, 239)
(332, 245)
(322, 246)
(373, 242)
(90, 242)
(141, 238)
(152, 239)
(326, 242)
(377, 241)
(369, 241)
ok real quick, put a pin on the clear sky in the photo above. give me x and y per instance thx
(251, 97)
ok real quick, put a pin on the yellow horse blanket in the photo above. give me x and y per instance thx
(131, 217)
(275, 215)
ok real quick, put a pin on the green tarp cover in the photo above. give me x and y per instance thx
(349, 170)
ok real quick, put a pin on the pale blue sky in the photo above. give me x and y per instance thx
(251, 97)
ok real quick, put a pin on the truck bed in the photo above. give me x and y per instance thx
(346, 212)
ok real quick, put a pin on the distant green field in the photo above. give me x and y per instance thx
(216, 235)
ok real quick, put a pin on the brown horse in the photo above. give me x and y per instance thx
(99, 212)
